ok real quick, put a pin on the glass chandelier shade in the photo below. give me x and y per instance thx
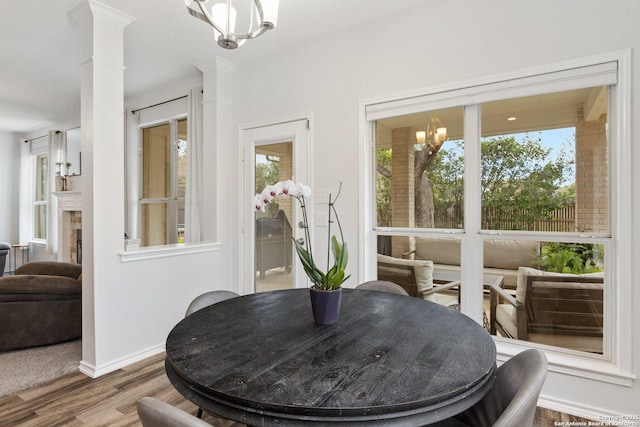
(222, 17)
(434, 136)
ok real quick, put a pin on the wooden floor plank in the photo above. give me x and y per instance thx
(79, 401)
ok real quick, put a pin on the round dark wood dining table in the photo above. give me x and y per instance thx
(389, 360)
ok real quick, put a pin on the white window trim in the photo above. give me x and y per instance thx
(617, 370)
(168, 251)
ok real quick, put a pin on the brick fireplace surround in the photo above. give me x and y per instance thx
(69, 225)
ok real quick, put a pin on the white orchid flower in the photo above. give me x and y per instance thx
(303, 190)
(287, 187)
(258, 202)
(266, 195)
(278, 188)
(271, 190)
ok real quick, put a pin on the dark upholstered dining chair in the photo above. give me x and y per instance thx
(382, 286)
(207, 299)
(155, 413)
(513, 397)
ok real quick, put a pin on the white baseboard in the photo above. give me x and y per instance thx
(572, 408)
(97, 371)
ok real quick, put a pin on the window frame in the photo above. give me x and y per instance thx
(594, 71)
(35, 154)
(172, 201)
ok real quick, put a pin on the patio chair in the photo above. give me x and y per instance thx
(416, 277)
(563, 310)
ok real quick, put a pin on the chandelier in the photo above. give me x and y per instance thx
(263, 16)
(434, 136)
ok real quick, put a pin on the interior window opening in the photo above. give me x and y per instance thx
(164, 183)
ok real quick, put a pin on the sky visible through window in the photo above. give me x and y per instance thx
(557, 140)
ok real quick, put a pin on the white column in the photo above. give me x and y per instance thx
(217, 133)
(102, 105)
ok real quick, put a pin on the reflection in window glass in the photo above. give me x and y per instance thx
(419, 164)
(544, 163)
(554, 299)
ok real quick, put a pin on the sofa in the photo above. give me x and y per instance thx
(40, 305)
(502, 257)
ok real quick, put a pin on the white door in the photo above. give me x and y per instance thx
(273, 153)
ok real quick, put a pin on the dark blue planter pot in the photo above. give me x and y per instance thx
(325, 305)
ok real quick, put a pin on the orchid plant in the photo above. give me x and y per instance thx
(333, 277)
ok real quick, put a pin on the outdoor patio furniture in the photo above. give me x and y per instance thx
(273, 243)
(564, 310)
(502, 257)
(416, 277)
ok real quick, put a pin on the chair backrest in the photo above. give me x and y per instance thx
(51, 268)
(155, 413)
(514, 395)
(402, 275)
(382, 286)
(564, 305)
(207, 299)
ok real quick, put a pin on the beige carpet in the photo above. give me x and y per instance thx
(23, 369)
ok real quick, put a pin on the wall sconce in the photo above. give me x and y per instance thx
(434, 136)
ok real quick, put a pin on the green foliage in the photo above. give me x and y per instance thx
(383, 187)
(576, 258)
(520, 175)
(520, 179)
(445, 172)
(335, 276)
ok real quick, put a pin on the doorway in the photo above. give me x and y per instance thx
(273, 153)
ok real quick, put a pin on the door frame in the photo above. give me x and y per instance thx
(297, 130)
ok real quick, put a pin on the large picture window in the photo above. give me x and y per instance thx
(501, 206)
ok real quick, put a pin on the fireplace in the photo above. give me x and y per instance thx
(69, 226)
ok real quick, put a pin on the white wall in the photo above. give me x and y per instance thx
(10, 167)
(445, 42)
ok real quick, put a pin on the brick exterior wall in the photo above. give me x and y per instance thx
(402, 197)
(591, 174)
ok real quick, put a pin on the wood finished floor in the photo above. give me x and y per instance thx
(76, 400)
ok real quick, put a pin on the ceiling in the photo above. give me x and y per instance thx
(42, 47)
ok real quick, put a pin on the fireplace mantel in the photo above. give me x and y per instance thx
(68, 202)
